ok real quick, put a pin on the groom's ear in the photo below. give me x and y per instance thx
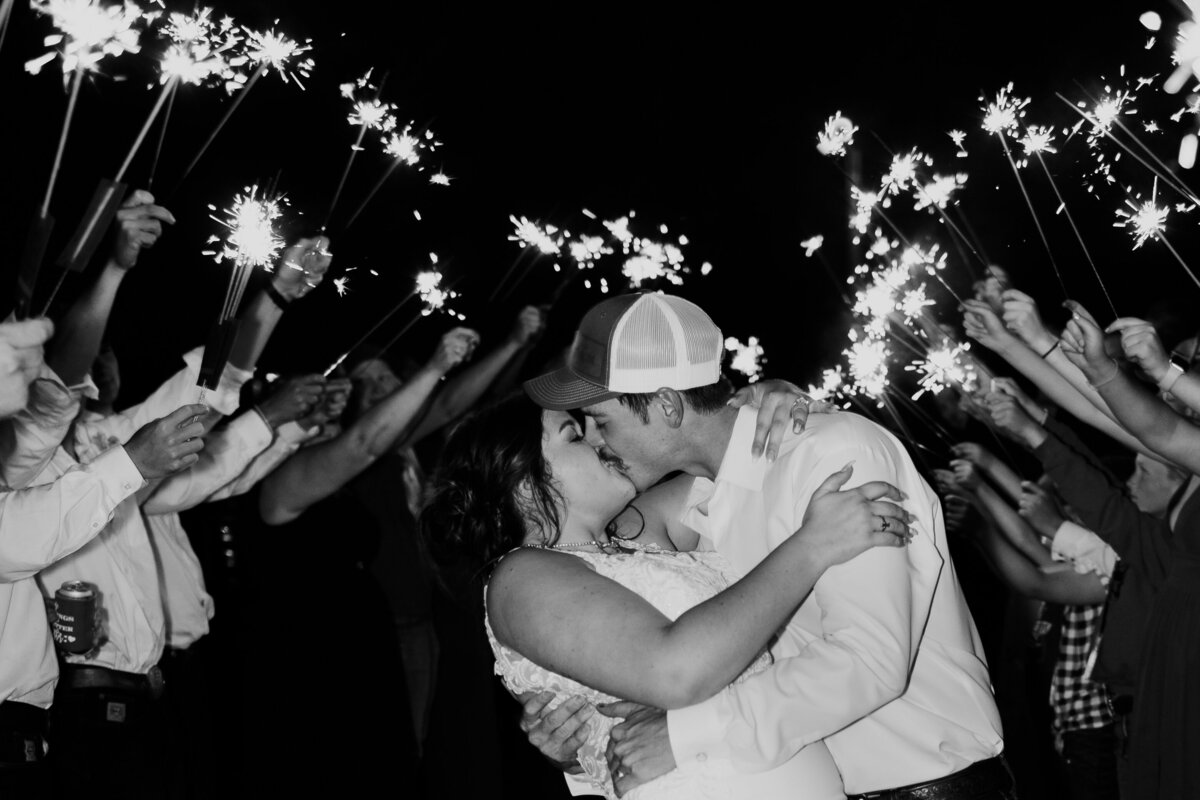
(670, 404)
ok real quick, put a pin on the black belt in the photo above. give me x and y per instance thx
(22, 734)
(78, 676)
(982, 776)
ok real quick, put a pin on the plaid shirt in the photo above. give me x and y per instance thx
(1078, 703)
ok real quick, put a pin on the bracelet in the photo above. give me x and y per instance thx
(1110, 378)
(278, 299)
(1053, 347)
(1173, 374)
(263, 417)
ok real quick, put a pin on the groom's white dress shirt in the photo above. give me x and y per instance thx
(882, 661)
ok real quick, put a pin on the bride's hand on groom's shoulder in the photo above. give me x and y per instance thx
(557, 733)
(840, 524)
(779, 405)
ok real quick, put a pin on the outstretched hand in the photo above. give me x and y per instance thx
(1022, 318)
(1039, 509)
(455, 347)
(170, 444)
(21, 357)
(1083, 343)
(981, 324)
(1142, 346)
(138, 225)
(302, 267)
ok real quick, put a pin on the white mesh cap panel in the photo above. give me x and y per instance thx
(664, 341)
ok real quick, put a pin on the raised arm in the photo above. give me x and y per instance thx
(463, 390)
(1000, 473)
(42, 524)
(554, 609)
(984, 326)
(1142, 346)
(318, 471)
(1152, 421)
(138, 225)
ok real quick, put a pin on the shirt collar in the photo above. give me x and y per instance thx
(738, 466)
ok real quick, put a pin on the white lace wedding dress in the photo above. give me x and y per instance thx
(672, 582)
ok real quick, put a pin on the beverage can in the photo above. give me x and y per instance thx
(74, 622)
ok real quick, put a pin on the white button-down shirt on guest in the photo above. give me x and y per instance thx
(234, 459)
(38, 526)
(121, 561)
(882, 661)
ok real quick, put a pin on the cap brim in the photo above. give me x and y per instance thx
(563, 390)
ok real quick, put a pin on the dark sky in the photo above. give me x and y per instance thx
(704, 122)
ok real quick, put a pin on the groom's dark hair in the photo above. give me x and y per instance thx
(702, 399)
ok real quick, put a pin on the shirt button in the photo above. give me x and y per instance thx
(702, 757)
(95, 525)
(126, 484)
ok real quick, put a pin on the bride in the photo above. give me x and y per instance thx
(592, 592)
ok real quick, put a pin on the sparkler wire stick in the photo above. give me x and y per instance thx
(362, 132)
(378, 185)
(1179, 258)
(367, 335)
(1166, 178)
(5, 11)
(507, 274)
(228, 113)
(1029, 204)
(168, 88)
(887, 403)
(1078, 235)
(403, 331)
(162, 136)
(925, 417)
(76, 80)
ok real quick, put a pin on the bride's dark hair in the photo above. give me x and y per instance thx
(491, 481)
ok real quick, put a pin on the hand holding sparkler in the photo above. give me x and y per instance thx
(170, 444)
(302, 267)
(966, 475)
(139, 223)
(990, 289)
(1020, 315)
(981, 324)
(1142, 346)
(1083, 344)
(528, 325)
(1039, 509)
(1010, 387)
(1008, 416)
(294, 399)
(21, 357)
(455, 347)
(976, 454)
(334, 396)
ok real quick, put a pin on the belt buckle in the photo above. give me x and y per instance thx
(156, 681)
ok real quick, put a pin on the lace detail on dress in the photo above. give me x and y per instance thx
(672, 582)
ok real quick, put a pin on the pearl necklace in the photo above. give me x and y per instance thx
(619, 545)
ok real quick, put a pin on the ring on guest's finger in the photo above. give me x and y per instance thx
(884, 524)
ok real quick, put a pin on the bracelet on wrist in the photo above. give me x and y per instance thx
(1168, 380)
(1053, 347)
(278, 299)
(1109, 379)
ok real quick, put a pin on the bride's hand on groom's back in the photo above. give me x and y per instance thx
(558, 733)
(840, 524)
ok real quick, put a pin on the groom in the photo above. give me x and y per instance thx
(882, 661)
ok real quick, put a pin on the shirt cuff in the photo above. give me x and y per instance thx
(293, 433)
(253, 429)
(697, 732)
(1085, 549)
(578, 786)
(117, 473)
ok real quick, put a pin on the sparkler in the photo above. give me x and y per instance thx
(404, 148)
(1147, 220)
(867, 367)
(748, 358)
(88, 32)
(830, 389)
(837, 135)
(1038, 140)
(367, 114)
(1002, 118)
(250, 241)
(958, 137)
(267, 50)
(942, 367)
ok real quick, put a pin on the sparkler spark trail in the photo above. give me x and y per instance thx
(942, 367)
(367, 114)
(405, 148)
(812, 245)
(958, 137)
(867, 367)
(89, 31)
(830, 388)
(1147, 220)
(748, 358)
(270, 49)
(529, 234)
(251, 241)
(837, 135)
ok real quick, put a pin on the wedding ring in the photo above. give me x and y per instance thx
(884, 523)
